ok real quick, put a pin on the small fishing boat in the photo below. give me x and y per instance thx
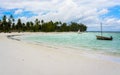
(103, 37)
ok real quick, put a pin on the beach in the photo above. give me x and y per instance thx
(23, 58)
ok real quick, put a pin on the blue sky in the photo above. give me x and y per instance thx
(113, 12)
(24, 13)
(88, 12)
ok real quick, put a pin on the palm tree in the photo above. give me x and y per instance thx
(42, 21)
(12, 19)
(4, 23)
(19, 25)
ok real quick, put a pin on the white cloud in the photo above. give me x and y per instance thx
(85, 11)
(18, 11)
(112, 21)
(103, 11)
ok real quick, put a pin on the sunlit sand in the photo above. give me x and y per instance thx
(22, 58)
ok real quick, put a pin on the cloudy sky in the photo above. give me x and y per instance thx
(89, 12)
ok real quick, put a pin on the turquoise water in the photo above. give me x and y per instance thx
(84, 41)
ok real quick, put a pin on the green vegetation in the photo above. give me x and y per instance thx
(9, 25)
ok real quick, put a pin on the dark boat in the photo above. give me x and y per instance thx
(103, 37)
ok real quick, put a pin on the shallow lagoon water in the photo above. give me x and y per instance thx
(84, 41)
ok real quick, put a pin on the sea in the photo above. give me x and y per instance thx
(85, 41)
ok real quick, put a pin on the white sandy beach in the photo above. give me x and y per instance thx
(22, 58)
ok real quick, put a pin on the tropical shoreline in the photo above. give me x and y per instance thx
(22, 58)
(103, 55)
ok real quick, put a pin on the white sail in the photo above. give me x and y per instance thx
(79, 31)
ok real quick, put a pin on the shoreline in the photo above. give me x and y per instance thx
(22, 58)
(92, 54)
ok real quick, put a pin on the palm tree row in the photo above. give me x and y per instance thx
(9, 25)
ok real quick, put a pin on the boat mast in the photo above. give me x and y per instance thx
(101, 28)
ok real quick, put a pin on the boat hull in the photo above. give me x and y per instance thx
(103, 38)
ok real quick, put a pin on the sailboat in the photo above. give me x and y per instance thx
(103, 37)
(79, 31)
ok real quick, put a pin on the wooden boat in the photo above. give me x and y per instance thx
(103, 37)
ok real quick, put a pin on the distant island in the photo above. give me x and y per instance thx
(8, 25)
